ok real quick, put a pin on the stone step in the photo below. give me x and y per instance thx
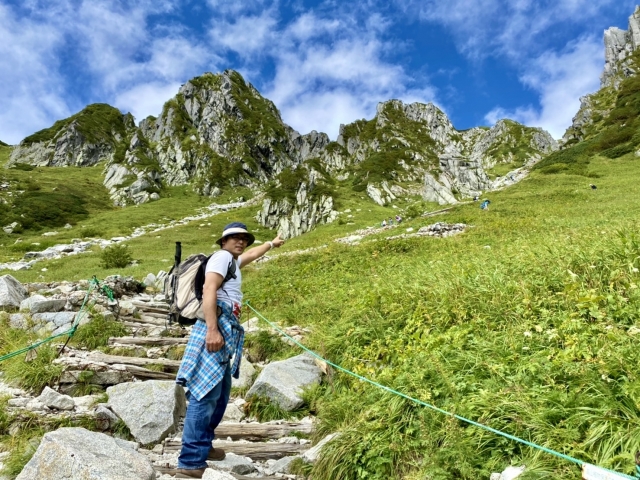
(254, 450)
(173, 471)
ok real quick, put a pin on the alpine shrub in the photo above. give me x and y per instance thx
(116, 256)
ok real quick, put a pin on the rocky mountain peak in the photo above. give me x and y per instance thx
(621, 61)
(84, 139)
(619, 45)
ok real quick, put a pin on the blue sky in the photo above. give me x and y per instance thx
(323, 63)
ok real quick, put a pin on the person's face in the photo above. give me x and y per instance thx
(235, 243)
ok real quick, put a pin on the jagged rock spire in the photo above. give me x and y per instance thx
(619, 45)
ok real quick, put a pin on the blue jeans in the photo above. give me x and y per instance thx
(203, 416)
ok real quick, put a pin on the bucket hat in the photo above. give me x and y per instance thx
(234, 228)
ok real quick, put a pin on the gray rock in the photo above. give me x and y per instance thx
(150, 409)
(18, 402)
(232, 413)
(35, 405)
(149, 280)
(511, 472)
(211, 474)
(435, 192)
(58, 319)
(313, 453)
(105, 418)
(53, 399)
(40, 304)
(282, 465)
(235, 464)
(76, 453)
(19, 320)
(109, 377)
(247, 370)
(282, 382)
(11, 292)
(61, 329)
(303, 215)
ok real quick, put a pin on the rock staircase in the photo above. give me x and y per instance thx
(151, 351)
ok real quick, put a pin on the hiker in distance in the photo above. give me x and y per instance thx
(206, 367)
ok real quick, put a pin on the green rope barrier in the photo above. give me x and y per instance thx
(439, 410)
(94, 283)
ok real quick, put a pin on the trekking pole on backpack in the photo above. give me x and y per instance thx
(172, 316)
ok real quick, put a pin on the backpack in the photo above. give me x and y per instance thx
(183, 286)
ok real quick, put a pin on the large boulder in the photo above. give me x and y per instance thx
(282, 382)
(76, 453)
(150, 409)
(11, 292)
(41, 304)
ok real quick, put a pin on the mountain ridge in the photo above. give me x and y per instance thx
(219, 132)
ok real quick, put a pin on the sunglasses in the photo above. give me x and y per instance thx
(239, 236)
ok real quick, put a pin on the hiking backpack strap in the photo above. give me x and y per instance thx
(200, 276)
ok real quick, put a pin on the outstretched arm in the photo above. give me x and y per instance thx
(256, 252)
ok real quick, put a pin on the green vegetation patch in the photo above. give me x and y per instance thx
(98, 123)
(97, 332)
(619, 135)
(387, 163)
(260, 131)
(287, 183)
(43, 197)
(515, 152)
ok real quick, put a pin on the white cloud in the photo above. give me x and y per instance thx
(247, 35)
(511, 28)
(560, 79)
(146, 99)
(32, 92)
(113, 49)
(328, 69)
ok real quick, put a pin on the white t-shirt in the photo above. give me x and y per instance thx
(219, 263)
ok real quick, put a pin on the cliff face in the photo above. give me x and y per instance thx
(218, 132)
(412, 143)
(620, 61)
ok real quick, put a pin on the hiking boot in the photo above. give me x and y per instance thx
(186, 473)
(216, 454)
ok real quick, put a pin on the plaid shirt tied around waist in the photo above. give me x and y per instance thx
(200, 370)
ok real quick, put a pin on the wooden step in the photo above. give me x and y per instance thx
(261, 431)
(169, 365)
(253, 450)
(148, 341)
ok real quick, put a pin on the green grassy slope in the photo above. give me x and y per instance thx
(42, 198)
(526, 323)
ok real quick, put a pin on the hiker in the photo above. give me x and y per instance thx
(593, 187)
(206, 368)
(398, 218)
(390, 221)
(485, 205)
(384, 223)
